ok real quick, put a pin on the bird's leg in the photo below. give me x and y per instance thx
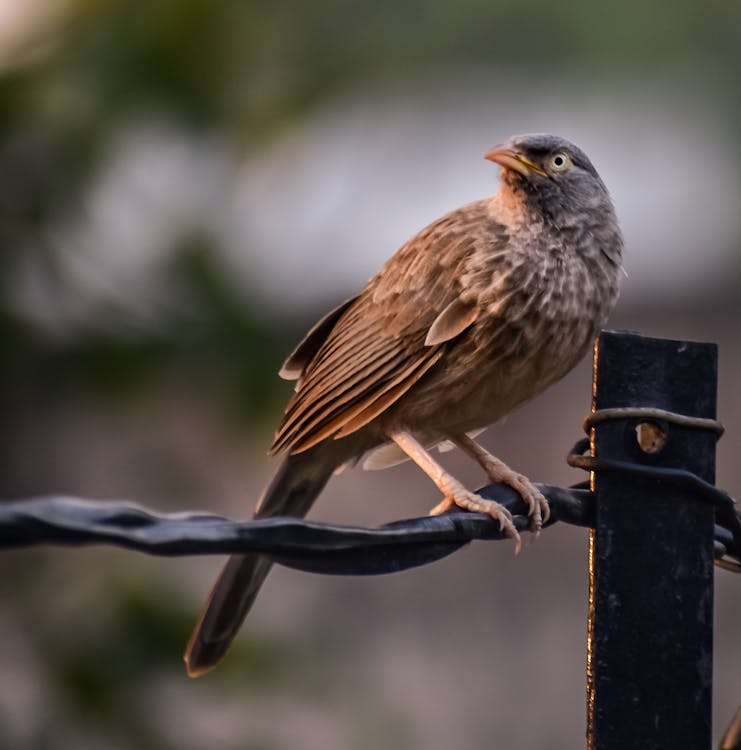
(455, 493)
(498, 471)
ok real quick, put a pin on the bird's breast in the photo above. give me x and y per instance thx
(529, 334)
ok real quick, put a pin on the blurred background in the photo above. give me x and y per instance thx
(185, 185)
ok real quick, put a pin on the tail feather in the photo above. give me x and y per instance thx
(230, 600)
(294, 488)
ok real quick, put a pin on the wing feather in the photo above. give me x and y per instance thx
(301, 421)
(366, 409)
(380, 401)
(365, 355)
(353, 356)
(300, 357)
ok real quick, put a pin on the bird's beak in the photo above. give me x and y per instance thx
(510, 159)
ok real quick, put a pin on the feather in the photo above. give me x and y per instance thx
(297, 360)
(362, 410)
(374, 349)
(317, 412)
(387, 396)
(452, 321)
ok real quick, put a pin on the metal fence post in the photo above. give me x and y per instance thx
(649, 666)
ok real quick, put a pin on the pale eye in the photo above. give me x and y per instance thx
(559, 162)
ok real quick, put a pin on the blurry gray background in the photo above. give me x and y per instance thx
(185, 185)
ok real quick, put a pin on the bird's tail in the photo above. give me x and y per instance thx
(294, 488)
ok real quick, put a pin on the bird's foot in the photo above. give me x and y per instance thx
(453, 491)
(498, 471)
(538, 508)
(459, 496)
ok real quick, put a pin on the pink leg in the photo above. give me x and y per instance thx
(455, 493)
(498, 471)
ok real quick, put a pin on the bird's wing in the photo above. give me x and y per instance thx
(375, 350)
(296, 362)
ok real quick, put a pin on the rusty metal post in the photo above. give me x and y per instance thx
(650, 650)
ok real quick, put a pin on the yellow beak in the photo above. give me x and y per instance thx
(510, 159)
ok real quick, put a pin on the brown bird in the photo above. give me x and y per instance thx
(476, 314)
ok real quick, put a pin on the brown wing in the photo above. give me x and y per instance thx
(300, 357)
(375, 350)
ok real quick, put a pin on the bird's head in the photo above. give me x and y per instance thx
(553, 176)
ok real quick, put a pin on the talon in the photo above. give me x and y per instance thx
(538, 509)
(455, 493)
(498, 471)
(467, 500)
(510, 530)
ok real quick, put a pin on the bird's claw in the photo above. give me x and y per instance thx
(470, 501)
(538, 509)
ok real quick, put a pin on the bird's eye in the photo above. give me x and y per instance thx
(559, 162)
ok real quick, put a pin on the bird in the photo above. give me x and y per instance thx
(473, 316)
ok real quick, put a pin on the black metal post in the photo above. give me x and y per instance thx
(649, 667)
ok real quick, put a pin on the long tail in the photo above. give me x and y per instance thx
(294, 488)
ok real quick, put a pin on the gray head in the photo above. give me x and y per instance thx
(557, 184)
(551, 174)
